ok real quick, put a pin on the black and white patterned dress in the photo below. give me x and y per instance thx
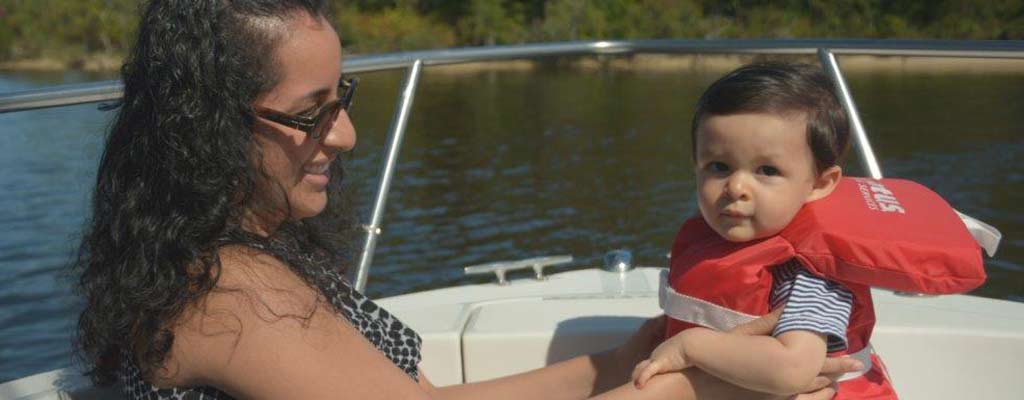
(398, 342)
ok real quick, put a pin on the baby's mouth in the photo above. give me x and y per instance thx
(733, 214)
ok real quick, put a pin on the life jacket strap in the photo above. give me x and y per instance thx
(696, 311)
(864, 356)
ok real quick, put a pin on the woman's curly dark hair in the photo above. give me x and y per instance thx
(176, 173)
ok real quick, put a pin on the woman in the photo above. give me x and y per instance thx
(209, 270)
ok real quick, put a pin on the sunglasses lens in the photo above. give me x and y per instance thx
(325, 121)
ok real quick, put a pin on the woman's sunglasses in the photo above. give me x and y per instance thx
(321, 121)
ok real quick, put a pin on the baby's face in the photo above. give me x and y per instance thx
(754, 172)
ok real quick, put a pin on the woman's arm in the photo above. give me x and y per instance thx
(577, 378)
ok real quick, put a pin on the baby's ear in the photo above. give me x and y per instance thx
(825, 182)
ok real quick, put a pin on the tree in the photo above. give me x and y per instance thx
(573, 20)
(490, 22)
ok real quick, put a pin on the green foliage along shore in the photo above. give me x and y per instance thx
(69, 31)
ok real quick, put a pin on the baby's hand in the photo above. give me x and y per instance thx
(667, 357)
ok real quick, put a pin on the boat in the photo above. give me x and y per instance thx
(936, 347)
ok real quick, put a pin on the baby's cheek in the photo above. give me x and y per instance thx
(775, 223)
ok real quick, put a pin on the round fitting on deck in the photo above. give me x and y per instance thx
(620, 261)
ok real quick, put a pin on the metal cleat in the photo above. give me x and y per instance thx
(501, 267)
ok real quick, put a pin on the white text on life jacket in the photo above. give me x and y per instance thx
(878, 197)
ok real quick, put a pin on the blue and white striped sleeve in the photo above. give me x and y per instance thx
(811, 304)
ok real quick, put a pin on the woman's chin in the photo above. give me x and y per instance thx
(311, 205)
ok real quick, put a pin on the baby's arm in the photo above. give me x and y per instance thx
(783, 365)
(816, 309)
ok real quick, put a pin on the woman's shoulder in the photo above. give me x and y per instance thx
(255, 293)
(247, 273)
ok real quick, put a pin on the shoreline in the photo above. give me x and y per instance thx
(101, 62)
(639, 62)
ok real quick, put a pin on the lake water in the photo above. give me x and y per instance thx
(511, 164)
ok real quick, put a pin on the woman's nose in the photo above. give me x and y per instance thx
(342, 135)
(737, 187)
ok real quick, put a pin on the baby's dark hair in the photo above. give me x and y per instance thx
(782, 88)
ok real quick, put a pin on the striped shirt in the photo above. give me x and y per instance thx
(811, 304)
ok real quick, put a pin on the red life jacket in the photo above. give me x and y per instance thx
(887, 233)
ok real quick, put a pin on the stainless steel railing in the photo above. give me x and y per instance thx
(395, 135)
(860, 136)
(416, 60)
(77, 94)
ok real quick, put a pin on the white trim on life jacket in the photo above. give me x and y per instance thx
(696, 311)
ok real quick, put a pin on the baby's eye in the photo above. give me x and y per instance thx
(768, 170)
(717, 166)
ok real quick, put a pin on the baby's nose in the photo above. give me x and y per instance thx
(737, 187)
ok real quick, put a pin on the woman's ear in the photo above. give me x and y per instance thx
(825, 182)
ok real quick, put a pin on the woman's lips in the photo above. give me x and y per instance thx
(317, 174)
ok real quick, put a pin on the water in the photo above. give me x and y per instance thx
(512, 164)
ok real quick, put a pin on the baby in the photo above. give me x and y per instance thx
(766, 140)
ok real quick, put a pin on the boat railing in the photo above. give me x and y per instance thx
(826, 50)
